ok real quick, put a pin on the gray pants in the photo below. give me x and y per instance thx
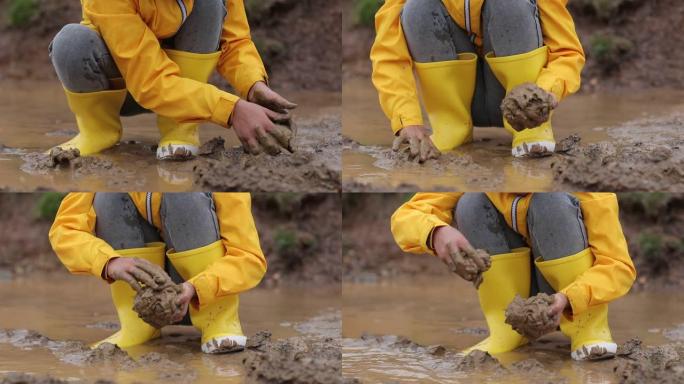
(83, 62)
(554, 222)
(509, 27)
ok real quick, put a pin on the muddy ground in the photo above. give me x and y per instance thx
(299, 233)
(300, 52)
(652, 223)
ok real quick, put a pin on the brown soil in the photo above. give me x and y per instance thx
(627, 163)
(314, 166)
(479, 360)
(25, 378)
(157, 306)
(530, 317)
(59, 160)
(661, 364)
(300, 51)
(527, 106)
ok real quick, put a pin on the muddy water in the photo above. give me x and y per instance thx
(445, 311)
(67, 313)
(34, 117)
(490, 165)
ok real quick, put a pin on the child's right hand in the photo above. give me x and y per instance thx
(420, 145)
(456, 252)
(133, 271)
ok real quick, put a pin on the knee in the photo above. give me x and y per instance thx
(553, 204)
(474, 209)
(510, 9)
(183, 205)
(71, 52)
(419, 15)
(114, 206)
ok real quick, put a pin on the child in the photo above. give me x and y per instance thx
(130, 56)
(568, 245)
(469, 56)
(207, 241)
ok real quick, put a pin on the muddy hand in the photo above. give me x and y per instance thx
(528, 106)
(420, 145)
(469, 263)
(560, 305)
(183, 300)
(254, 126)
(134, 271)
(263, 95)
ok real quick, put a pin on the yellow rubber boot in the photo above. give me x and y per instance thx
(218, 321)
(589, 332)
(98, 120)
(134, 331)
(515, 70)
(447, 89)
(508, 276)
(181, 141)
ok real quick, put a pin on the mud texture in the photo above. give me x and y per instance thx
(24, 378)
(655, 364)
(293, 360)
(59, 159)
(314, 166)
(530, 317)
(479, 361)
(157, 306)
(527, 106)
(639, 158)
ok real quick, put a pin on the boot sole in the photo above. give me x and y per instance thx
(177, 152)
(595, 351)
(534, 149)
(226, 344)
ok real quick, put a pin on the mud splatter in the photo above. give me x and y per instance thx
(157, 306)
(479, 360)
(644, 155)
(661, 364)
(527, 106)
(530, 317)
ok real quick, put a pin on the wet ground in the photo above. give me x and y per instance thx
(614, 120)
(411, 329)
(35, 117)
(294, 316)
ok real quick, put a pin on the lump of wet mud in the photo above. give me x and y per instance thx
(295, 360)
(259, 341)
(25, 378)
(157, 305)
(527, 106)
(530, 317)
(661, 364)
(64, 159)
(213, 147)
(479, 361)
(568, 144)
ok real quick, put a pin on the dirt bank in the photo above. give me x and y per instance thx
(530, 317)
(300, 51)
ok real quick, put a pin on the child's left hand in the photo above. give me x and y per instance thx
(560, 304)
(183, 301)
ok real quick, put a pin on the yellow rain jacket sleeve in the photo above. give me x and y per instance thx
(393, 67)
(153, 79)
(613, 272)
(72, 236)
(244, 264)
(414, 221)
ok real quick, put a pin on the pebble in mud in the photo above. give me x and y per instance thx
(527, 106)
(530, 317)
(157, 306)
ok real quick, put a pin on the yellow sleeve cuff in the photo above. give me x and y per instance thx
(432, 224)
(577, 298)
(205, 289)
(101, 261)
(400, 121)
(224, 108)
(552, 85)
(248, 79)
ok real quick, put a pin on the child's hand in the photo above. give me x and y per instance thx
(420, 145)
(456, 252)
(256, 128)
(183, 301)
(133, 271)
(263, 95)
(560, 304)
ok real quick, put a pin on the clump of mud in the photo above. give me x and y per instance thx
(157, 305)
(24, 378)
(643, 155)
(661, 364)
(293, 360)
(530, 317)
(59, 158)
(479, 361)
(527, 106)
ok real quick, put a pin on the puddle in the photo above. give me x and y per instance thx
(71, 315)
(36, 117)
(444, 311)
(489, 165)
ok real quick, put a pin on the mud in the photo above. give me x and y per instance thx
(527, 106)
(315, 165)
(70, 161)
(479, 360)
(630, 162)
(24, 378)
(530, 317)
(157, 306)
(661, 364)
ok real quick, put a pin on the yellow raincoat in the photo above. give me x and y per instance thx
(610, 277)
(393, 66)
(132, 30)
(73, 239)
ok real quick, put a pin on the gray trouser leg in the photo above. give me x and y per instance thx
(189, 220)
(120, 224)
(556, 228)
(83, 62)
(484, 226)
(509, 28)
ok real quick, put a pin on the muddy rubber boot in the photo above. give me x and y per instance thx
(181, 141)
(447, 89)
(589, 332)
(218, 320)
(98, 120)
(508, 276)
(512, 71)
(134, 331)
